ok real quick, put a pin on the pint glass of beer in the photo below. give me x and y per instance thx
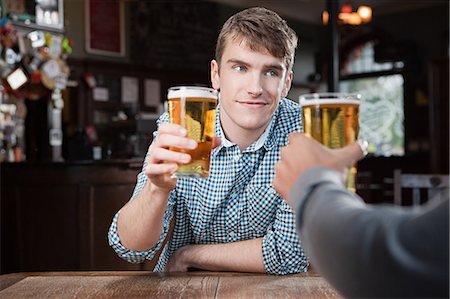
(333, 120)
(194, 108)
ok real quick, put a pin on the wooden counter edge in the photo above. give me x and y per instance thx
(7, 280)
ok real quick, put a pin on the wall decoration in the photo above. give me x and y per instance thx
(50, 13)
(105, 32)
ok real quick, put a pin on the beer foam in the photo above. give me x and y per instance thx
(316, 102)
(191, 92)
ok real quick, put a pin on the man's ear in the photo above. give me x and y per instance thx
(215, 77)
(287, 84)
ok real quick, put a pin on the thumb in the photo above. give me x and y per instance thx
(353, 152)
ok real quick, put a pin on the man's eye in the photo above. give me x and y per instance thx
(239, 68)
(272, 73)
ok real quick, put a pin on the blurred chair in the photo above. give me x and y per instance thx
(434, 184)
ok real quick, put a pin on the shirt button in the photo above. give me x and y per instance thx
(236, 158)
(231, 235)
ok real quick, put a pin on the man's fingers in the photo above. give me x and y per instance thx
(166, 140)
(364, 145)
(172, 135)
(216, 142)
(162, 154)
(160, 169)
(172, 129)
(295, 136)
(352, 153)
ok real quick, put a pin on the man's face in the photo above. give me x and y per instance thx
(251, 85)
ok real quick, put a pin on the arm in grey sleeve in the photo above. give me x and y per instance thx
(371, 251)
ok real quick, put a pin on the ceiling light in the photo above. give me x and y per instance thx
(347, 16)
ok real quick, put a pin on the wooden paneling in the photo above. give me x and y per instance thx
(56, 216)
(46, 218)
(104, 201)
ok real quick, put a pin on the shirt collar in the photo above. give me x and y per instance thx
(266, 139)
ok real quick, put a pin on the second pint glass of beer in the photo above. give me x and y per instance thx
(194, 108)
(333, 120)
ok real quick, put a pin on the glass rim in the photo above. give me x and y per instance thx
(331, 95)
(192, 91)
(329, 98)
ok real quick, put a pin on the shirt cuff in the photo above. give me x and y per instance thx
(126, 254)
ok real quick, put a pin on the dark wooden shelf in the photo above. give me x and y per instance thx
(33, 26)
(110, 105)
(120, 124)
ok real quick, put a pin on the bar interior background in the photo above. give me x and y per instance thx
(56, 205)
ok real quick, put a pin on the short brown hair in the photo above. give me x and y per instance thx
(261, 29)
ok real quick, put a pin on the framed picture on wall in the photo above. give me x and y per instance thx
(105, 30)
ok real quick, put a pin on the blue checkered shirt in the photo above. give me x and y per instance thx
(236, 202)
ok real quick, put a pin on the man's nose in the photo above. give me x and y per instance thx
(255, 85)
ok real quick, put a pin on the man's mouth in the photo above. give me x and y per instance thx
(253, 104)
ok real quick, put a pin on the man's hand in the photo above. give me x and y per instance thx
(303, 153)
(178, 262)
(162, 162)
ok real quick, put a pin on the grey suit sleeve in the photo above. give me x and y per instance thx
(367, 250)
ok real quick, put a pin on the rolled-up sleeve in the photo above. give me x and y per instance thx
(113, 237)
(139, 256)
(282, 252)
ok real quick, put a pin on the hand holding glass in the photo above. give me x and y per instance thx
(333, 120)
(194, 108)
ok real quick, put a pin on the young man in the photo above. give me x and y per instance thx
(364, 251)
(234, 220)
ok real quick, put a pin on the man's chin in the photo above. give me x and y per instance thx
(254, 125)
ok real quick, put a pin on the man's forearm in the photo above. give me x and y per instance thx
(242, 256)
(140, 221)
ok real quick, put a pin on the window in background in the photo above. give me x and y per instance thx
(381, 111)
(362, 61)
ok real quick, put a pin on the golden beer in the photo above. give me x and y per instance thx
(333, 120)
(194, 108)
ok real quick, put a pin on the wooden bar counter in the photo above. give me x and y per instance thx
(144, 284)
